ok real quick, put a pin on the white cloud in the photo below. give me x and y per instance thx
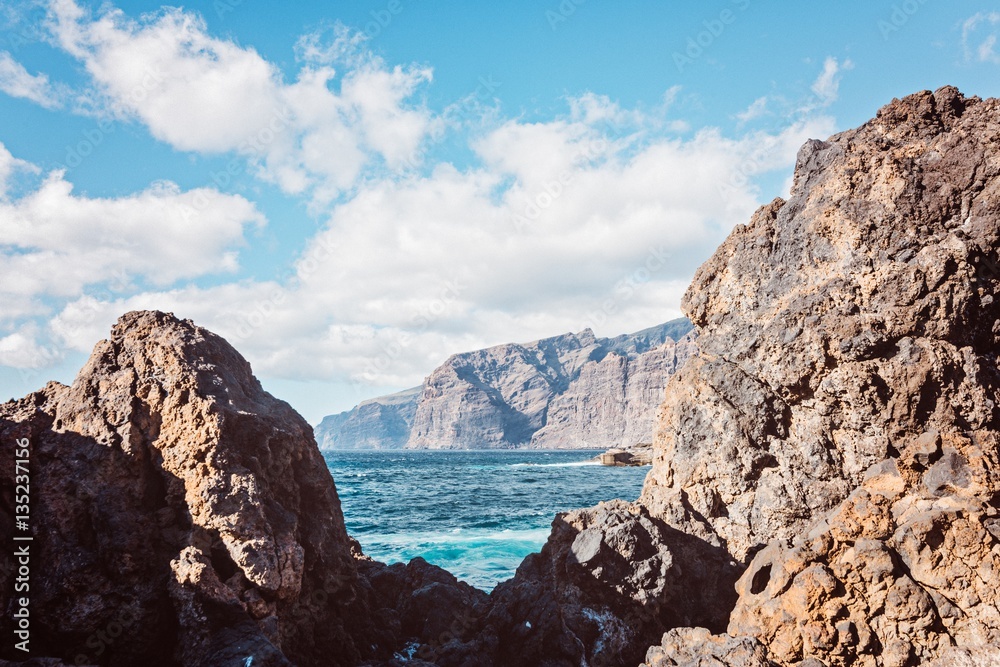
(20, 350)
(560, 228)
(756, 109)
(9, 166)
(979, 37)
(597, 218)
(16, 81)
(827, 85)
(204, 94)
(55, 243)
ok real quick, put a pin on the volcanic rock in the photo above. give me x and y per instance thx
(182, 516)
(843, 409)
(836, 435)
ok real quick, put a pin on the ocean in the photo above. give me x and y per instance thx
(475, 513)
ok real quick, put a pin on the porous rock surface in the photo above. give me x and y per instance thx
(836, 434)
(183, 516)
(840, 424)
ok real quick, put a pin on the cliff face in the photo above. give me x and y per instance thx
(840, 326)
(826, 489)
(183, 516)
(836, 437)
(879, 492)
(570, 391)
(379, 423)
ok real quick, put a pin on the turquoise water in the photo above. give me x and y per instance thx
(476, 514)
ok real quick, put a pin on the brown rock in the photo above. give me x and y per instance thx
(842, 411)
(840, 327)
(183, 516)
(697, 647)
(607, 579)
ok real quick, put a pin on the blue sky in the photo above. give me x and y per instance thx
(350, 192)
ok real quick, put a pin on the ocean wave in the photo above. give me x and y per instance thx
(460, 536)
(571, 464)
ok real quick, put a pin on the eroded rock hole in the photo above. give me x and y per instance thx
(760, 580)
(222, 562)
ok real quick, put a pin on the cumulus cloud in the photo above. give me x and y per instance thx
(21, 350)
(826, 88)
(979, 37)
(9, 167)
(597, 218)
(203, 94)
(561, 226)
(54, 243)
(16, 81)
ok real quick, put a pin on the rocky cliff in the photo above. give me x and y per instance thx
(378, 423)
(182, 516)
(835, 440)
(570, 391)
(825, 490)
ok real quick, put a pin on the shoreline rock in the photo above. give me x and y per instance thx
(825, 489)
(640, 455)
(183, 516)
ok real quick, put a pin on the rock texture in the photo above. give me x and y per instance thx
(843, 411)
(573, 391)
(183, 516)
(838, 327)
(607, 580)
(837, 434)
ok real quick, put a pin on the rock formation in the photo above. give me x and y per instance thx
(378, 423)
(183, 516)
(573, 391)
(837, 434)
(843, 411)
(825, 490)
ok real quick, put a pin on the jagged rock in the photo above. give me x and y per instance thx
(904, 569)
(846, 390)
(425, 605)
(838, 326)
(698, 647)
(574, 391)
(183, 516)
(607, 579)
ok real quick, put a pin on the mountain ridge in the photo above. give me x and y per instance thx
(543, 394)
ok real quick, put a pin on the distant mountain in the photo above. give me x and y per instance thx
(573, 391)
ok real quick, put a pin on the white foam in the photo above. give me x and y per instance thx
(573, 464)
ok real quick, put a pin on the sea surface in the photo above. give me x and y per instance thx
(474, 513)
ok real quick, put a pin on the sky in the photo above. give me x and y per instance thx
(349, 192)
